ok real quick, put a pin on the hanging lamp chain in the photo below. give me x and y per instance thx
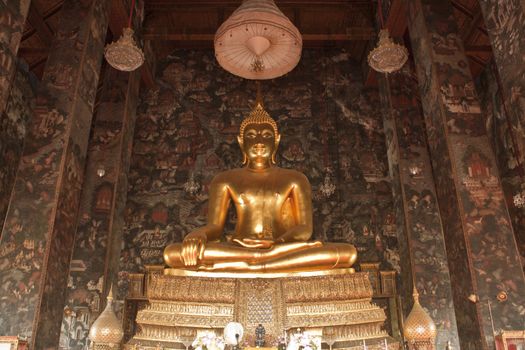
(132, 7)
(380, 11)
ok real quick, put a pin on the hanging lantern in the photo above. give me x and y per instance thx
(258, 41)
(388, 56)
(419, 329)
(124, 54)
(106, 332)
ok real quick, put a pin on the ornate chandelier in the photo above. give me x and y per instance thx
(258, 41)
(388, 56)
(191, 186)
(327, 188)
(124, 54)
(519, 199)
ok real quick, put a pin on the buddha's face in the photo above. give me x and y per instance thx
(259, 143)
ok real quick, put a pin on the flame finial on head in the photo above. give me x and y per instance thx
(258, 115)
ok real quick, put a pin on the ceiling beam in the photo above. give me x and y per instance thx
(477, 49)
(473, 26)
(477, 60)
(40, 61)
(462, 8)
(351, 34)
(117, 21)
(37, 22)
(153, 4)
(33, 51)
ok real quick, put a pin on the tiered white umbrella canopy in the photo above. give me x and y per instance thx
(258, 41)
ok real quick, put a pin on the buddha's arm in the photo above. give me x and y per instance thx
(301, 194)
(193, 245)
(218, 203)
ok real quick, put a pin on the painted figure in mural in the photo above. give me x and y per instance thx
(274, 211)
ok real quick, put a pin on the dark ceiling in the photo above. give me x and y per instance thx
(171, 24)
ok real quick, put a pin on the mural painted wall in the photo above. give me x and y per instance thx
(480, 243)
(13, 128)
(504, 143)
(504, 22)
(13, 14)
(420, 232)
(39, 229)
(102, 202)
(186, 132)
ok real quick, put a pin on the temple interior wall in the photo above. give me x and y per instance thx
(331, 130)
(505, 145)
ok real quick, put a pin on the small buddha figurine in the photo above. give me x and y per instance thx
(260, 332)
(274, 215)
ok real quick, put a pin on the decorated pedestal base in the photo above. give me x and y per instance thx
(183, 303)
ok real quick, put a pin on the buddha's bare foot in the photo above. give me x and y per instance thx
(205, 268)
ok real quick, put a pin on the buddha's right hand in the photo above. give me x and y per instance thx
(193, 248)
(255, 243)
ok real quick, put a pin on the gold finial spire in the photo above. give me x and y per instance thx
(106, 329)
(419, 326)
(110, 294)
(415, 293)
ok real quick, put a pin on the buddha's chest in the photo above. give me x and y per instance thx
(268, 192)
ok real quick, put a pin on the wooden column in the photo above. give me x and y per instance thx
(37, 238)
(481, 249)
(13, 128)
(101, 215)
(13, 14)
(505, 23)
(420, 233)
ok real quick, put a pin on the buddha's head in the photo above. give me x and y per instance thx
(259, 137)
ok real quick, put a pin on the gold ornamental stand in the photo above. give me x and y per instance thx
(180, 303)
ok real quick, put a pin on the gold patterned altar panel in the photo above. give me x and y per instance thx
(349, 333)
(199, 315)
(196, 289)
(333, 313)
(259, 301)
(184, 302)
(166, 335)
(327, 288)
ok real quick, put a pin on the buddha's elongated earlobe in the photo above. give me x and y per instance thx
(277, 140)
(244, 156)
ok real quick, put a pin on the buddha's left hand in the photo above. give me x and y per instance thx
(255, 243)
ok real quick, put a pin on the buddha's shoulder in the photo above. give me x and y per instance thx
(227, 175)
(292, 174)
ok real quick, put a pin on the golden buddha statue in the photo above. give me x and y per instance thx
(274, 215)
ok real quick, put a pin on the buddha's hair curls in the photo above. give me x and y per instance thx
(258, 116)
